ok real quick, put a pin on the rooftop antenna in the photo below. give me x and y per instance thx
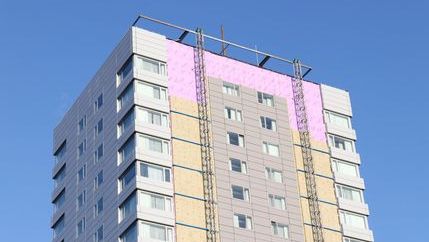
(222, 36)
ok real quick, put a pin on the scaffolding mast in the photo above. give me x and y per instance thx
(204, 124)
(304, 135)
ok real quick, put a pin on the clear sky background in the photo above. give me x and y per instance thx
(378, 50)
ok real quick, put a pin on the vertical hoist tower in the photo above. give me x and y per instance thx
(304, 135)
(204, 123)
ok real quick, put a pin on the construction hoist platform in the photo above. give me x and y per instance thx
(206, 153)
(304, 136)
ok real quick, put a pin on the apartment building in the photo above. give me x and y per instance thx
(140, 156)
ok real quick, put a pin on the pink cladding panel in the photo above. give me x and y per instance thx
(181, 82)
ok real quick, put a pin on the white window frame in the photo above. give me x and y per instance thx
(165, 171)
(162, 66)
(163, 92)
(81, 174)
(126, 96)
(341, 189)
(129, 66)
(264, 123)
(275, 228)
(59, 201)
(99, 234)
(130, 201)
(346, 220)
(144, 142)
(243, 165)
(231, 89)
(247, 219)
(128, 146)
(269, 174)
(81, 200)
(81, 125)
(153, 200)
(332, 142)
(270, 149)
(98, 207)
(240, 138)
(265, 99)
(99, 153)
(98, 180)
(331, 117)
(80, 227)
(146, 115)
(275, 199)
(169, 232)
(126, 123)
(233, 114)
(337, 164)
(98, 103)
(244, 191)
(127, 177)
(60, 176)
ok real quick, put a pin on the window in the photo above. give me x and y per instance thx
(130, 235)
(59, 177)
(98, 154)
(99, 234)
(98, 207)
(349, 193)
(155, 144)
(125, 71)
(59, 154)
(81, 199)
(151, 91)
(152, 117)
(239, 192)
(126, 151)
(59, 226)
(353, 220)
(59, 201)
(81, 148)
(127, 177)
(341, 143)
(277, 201)
(128, 207)
(235, 139)
(242, 221)
(338, 119)
(98, 128)
(154, 172)
(151, 65)
(80, 227)
(266, 99)
(82, 124)
(270, 149)
(345, 168)
(273, 175)
(81, 174)
(155, 232)
(238, 165)
(231, 89)
(280, 230)
(98, 180)
(159, 202)
(126, 96)
(233, 114)
(268, 123)
(126, 122)
(98, 103)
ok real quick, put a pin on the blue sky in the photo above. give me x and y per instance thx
(378, 50)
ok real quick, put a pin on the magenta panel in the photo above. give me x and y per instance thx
(181, 82)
